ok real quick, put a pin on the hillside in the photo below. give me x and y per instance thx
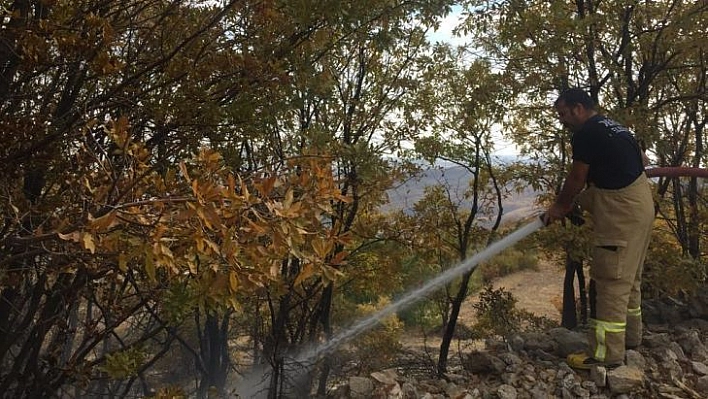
(404, 196)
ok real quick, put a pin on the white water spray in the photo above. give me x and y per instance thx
(255, 384)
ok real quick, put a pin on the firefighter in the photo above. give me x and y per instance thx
(607, 179)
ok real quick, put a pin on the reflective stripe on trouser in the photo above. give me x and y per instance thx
(601, 330)
(622, 222)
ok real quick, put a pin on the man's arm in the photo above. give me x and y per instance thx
(573, 185)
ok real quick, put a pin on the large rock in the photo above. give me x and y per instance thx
(625, 379)
(506, 391)
(409, 391)
(635, 359)
(483, 362)
(702, 384)
(387, 377)
(699, 368)
(658, 340)
(663, 311)
(698, 305)
(568, 341)
(538, 341)
(360, 387)
(691, 343)
(598, 374)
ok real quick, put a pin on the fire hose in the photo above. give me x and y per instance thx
(677, 171)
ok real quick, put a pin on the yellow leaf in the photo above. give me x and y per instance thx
(149, 265)
(73, 236)
(192, 267)
(288, 198)
(320, 247)
(331, 273)
(233, 281)
(104, 222)
(88, 243)
(306, 272)
(122, 262)
(266, 186)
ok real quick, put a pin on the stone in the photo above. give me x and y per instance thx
(568, 341)
(624, 379)
(598, 375)
(689, 341)
(456, 378)
(453, 390)
(664, 354)
(590, 386)
(539, 391)
(360, 387)
(535, 340)
(697, 324)
(698, 305)
(699, 368)
(340, 392)
(702, 384)
(483, 362)
(506, 391)
(543, 355)
(665, 310)
(386, 377)
(394, 392)
(409, 391)
(568, 381)
(671, 368)
(656, 340)
(510, 379)
(580, 392)
(678, 350)
(516, 342)
(510, 358)
(635, 359)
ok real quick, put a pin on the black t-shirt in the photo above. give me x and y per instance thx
(611, 151)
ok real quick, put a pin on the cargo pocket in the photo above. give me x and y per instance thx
(608, 255)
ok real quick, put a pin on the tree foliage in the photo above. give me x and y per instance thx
(643, 61)
(180, 176)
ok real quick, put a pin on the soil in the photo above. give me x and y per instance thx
(537, 291)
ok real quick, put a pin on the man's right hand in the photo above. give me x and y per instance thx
(555, 212)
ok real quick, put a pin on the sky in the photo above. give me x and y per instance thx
(502, 147)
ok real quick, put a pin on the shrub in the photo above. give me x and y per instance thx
(507, 262)
(667, 271)
(378, 347)
(497, 315)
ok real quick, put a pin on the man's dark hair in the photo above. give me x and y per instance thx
(576, 96)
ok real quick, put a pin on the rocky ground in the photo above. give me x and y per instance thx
(672, 362)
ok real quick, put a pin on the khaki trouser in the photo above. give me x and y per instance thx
(622, 227)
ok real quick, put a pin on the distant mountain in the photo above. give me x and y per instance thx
(406, 194)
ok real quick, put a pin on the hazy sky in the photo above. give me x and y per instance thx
(444, 34)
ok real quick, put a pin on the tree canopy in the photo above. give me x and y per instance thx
(208, 180)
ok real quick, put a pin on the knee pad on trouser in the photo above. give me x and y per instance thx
(607, 340)
(633, 335)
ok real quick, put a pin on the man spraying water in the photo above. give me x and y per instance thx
(608, 180)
